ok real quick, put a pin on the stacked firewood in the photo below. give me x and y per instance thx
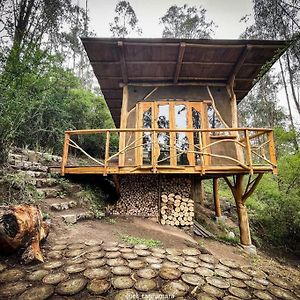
(176, 184)
(139, 196)
(177, 208)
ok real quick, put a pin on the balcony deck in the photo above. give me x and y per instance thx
(208, 152)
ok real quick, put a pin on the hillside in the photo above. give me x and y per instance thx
(88, 253)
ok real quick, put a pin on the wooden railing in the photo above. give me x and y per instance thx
(176, 150)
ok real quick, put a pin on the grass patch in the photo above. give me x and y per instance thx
(111, 221)
(132, 240)
(225, 238)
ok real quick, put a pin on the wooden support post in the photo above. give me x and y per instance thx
(216, 198)
(240, 195)
(245, 236)
(202, 193)
(116, 181)
(197, 189)
(65, 154)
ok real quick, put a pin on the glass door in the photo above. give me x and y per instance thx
(180, 148)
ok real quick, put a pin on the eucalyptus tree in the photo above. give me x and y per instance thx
(34, 24)
(33, 81)
(125, 22)
(280, 20)
(188, 22)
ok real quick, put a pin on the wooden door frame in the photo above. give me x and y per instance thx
(200, 106)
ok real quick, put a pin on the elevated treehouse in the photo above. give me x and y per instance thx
(174, 103)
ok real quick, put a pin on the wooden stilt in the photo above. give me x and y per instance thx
(216, 197)
(198, 191)
(115, 180)
(240, 195)
(202, 193)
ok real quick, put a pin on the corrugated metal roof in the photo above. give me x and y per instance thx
(177, 61)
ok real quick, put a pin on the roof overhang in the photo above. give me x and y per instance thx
(160, 62)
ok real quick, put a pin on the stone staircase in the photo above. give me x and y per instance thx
(60, 198)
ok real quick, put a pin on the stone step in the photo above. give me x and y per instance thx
(45, 182)
(64, 205)
(34, 174)
(50, 192)
(78, 215)
(28, 166)
(33, 156)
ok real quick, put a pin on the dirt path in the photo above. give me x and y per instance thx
(112, 230)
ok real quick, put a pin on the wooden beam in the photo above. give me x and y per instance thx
(238, 64)
(92, 131)
(175, 44)
(188, 78)
(123, 62)
(187, 83)
(173, 62)
(179, 61)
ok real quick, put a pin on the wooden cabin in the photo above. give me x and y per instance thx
(174, 103)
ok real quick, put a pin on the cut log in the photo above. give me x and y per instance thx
(22, 226)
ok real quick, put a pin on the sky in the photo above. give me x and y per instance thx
(225, 13)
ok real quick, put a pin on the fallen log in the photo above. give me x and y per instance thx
(22, 227)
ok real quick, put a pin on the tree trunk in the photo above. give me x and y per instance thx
(289, 105)
(297, 104)
(23, 17)
(245, 236)
(22, 226)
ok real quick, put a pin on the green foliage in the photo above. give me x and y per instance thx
(95, 198)
(97, 211)
(261, 107)
(132, 240)
(186, 22)
(275, 206)
(285, 140)
(43, 101)
(18, 188)
(227, 239)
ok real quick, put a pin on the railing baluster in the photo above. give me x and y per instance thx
(248, 150)
(202, 159)
(107, 143)
(272, 151)
(65, 154)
